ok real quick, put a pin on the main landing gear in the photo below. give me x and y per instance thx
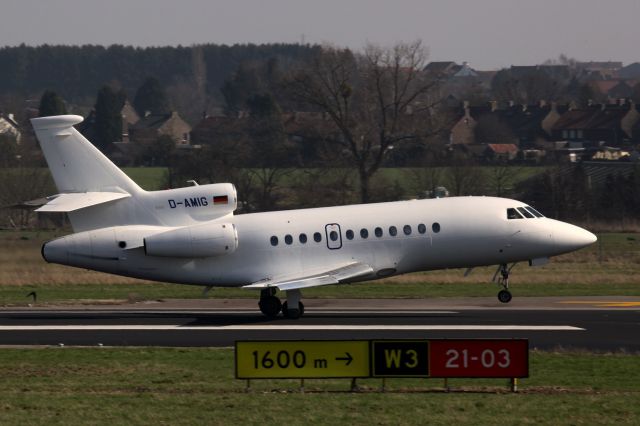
(271, 306)
(504, 295)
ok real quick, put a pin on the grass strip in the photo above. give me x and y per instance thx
(196, 385)
(79, 294)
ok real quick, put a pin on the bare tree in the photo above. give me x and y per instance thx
(526, 87)
(501, 178)
(375, 101)
(21, 184)
(464, 177)
(429, 177)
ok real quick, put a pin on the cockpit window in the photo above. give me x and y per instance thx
(535, 212)
(526, 213)
(513, 214)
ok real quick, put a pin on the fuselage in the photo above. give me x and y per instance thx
(393, 238)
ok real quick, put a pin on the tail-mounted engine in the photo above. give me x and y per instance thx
(206, 240)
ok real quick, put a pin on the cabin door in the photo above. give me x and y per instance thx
(334, 236)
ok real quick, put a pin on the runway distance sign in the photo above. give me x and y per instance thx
(302, 359)
(493, 358)
(437, 358)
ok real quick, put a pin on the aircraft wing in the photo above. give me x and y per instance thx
(76, 201)
(332, 276)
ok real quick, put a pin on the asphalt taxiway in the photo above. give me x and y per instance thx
(590, 323)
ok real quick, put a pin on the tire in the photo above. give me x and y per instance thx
(270, 306)
(504, 296)
(292, 313)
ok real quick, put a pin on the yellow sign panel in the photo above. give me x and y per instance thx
(302, 359)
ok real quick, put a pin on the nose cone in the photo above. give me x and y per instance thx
(56, 251)
(569, 238)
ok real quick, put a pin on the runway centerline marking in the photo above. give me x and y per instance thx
(292, 327)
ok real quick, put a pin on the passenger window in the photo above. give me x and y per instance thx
(288, 239)
(349, 234)
(378, 232)
(393, 231)
(406, 229)
(525, 213)
(535, 212)
(435, 227)
(317, 237)
(274, 241)
(513, 214)
(333, 236)
(422, 228)
(364, 233)
(303, 238)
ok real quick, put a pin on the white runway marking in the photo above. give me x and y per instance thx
(236, 311)
(291, 327)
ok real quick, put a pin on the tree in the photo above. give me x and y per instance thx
(271, 154)
(151, 97)
(237, 89)
(255, 78)
(374, 101)
(464, 176)
(157, 153)
(501, 177)
(108, 113)
(526, 86)
(8, 151)
(635, 94)
(51, 104)
(562, 59)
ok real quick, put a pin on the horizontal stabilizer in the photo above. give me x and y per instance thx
(76, 201)
(334, 276)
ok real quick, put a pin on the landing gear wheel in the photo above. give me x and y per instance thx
(504, 296)
(270, 306)
(292, 313)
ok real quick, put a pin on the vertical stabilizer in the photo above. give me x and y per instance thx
(95, 193)
(75, 163)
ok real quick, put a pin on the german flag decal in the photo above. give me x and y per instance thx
(220, 199)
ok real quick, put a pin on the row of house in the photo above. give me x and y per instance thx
(536, 130)
(607, 81)
(487, 130)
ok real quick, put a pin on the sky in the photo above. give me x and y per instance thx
(489, 34)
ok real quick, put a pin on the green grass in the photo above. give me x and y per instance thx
(149, 178)
(119, 293)
(196, 386)
(98, 293)
(153, 178)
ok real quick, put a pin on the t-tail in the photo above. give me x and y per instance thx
(95, 193)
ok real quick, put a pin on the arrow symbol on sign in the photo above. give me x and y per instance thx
(347, 358)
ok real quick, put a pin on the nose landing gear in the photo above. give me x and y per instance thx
(504, 295)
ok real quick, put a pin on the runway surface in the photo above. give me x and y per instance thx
(599, 323)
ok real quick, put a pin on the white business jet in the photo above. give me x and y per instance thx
(191, 236)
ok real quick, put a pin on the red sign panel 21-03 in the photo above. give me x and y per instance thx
(479, 358)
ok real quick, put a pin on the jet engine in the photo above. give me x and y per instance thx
(205, 240)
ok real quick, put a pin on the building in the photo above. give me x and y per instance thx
(149, 128)
(598, 124)
(9, 127)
